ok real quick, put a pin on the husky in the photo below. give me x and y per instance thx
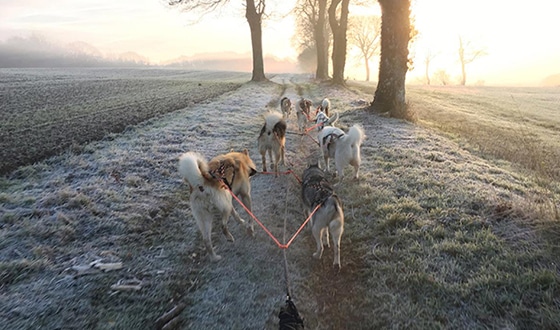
(325, 106)
(209, 183)
(343, 147)
(286, 107)
(272, 139)
(329, 217)
(303, 113)
(322, 120)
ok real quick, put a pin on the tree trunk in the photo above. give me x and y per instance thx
(462, 61)
(367, 69)
(255, 24)
(339, 39)
(322, 43)
(395, 35)
(427, 73)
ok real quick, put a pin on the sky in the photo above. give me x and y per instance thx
(518, 37)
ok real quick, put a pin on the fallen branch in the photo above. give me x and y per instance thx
(106, 267)
(169, 320)
(128, 285)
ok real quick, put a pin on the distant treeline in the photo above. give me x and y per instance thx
(15, 59)
(37, 51)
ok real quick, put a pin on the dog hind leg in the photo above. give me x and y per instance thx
(277, 157)
(318, 234)
(249, 224)
(204, 222)
(336, 229)
(263, 157)
(225, 229)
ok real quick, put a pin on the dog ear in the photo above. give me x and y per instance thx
(312, 163)
(246, 152)
(252, 171)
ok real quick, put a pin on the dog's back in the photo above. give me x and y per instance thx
(315, 187)
(316, 190)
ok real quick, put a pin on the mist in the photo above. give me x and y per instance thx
(37, 51)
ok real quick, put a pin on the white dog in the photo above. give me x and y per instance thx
(343, 147)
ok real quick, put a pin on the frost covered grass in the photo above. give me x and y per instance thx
(45, 111)
(435, 237)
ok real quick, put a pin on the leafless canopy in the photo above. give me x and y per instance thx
(204, 6)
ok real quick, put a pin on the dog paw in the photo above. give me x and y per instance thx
(215, 258)
(336, 270)
(250, 230)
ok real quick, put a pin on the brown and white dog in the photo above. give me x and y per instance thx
(329, 217)
(286, 107)
(209, 183)
(303, 113)
(272, 139)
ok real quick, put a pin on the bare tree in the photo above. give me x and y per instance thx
(364, 32)
(339, 26)
(312, 32)
(254, 10)
(395, 35)
(467, 54)
(428, 57)
(442, 76)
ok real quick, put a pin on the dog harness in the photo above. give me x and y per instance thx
(324, 191)
(220, 174)
(322, 119)
(327, 144)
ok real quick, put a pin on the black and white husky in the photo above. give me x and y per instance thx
(329, 217)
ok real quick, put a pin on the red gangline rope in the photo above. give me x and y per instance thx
(280, 245)
(284, 173)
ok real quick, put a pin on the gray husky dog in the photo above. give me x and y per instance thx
(316, 190)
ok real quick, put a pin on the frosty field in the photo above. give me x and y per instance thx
(437, 235)
(44, 111)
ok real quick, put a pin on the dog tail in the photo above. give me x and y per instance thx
(193, 167)
(356, 134)
(333, 119)
(272, 118)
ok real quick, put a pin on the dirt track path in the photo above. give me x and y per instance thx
(247, 288)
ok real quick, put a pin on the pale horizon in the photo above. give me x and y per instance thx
(519, 39)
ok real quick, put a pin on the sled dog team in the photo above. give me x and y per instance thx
(213, 182)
